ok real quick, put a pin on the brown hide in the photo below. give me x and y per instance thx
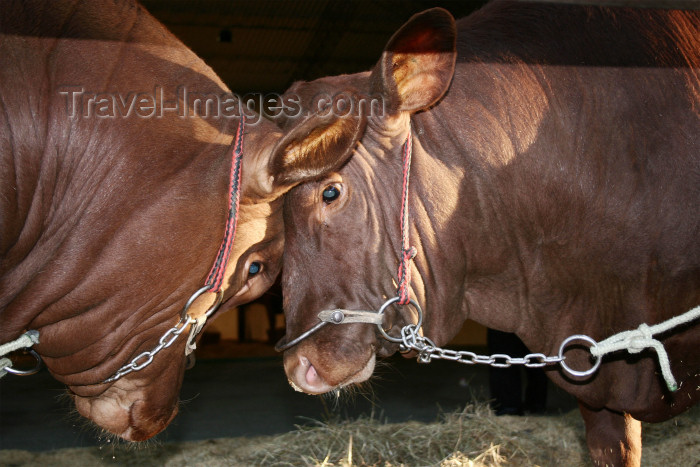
(554, 191)
(112, 209)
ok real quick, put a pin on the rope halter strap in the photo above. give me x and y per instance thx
(407, 251)
(216, 275)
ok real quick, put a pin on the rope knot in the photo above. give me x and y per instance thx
(407, 254)
(641, 339)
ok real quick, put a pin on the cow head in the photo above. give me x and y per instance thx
(114, 211)
(343, 227)
(142, 403)
(127, 291)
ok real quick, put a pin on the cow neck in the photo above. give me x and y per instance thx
(403, 294)
(215, 278)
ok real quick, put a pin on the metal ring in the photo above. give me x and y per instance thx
(571, 371)
(391, 301)
(31, 371)
(215, 305)
(195, 296)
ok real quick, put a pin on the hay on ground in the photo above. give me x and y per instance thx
(473, 437)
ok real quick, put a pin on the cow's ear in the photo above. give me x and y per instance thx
(417, 64)
(316, 147)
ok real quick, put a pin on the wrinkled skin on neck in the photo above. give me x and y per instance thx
(110, 222)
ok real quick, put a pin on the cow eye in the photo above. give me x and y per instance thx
(330, 194)
(254, 268)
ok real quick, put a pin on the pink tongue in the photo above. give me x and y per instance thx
(312, 376)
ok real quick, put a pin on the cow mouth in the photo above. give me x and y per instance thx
(305, 377)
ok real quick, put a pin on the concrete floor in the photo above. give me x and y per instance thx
(249, 396)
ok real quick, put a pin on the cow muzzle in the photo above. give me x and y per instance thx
(305, 376)
(129, 413)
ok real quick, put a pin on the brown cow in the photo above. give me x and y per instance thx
(114, 197)
(554, 191)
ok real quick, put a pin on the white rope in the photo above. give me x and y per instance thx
(26, 340)
(4, 364)
(636, 340)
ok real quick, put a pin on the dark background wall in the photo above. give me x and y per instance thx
(266, 45)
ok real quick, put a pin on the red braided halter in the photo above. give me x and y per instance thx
(216, 275)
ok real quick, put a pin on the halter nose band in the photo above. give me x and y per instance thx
(337, 316)
(341, 316)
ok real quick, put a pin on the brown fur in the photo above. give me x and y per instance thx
(108, 225)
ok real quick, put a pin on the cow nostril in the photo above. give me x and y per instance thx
(308, 378)
(309, 372)
(312, 377)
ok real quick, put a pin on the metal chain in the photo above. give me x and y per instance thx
(144, 359)
(427, 351)
(410, 339)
